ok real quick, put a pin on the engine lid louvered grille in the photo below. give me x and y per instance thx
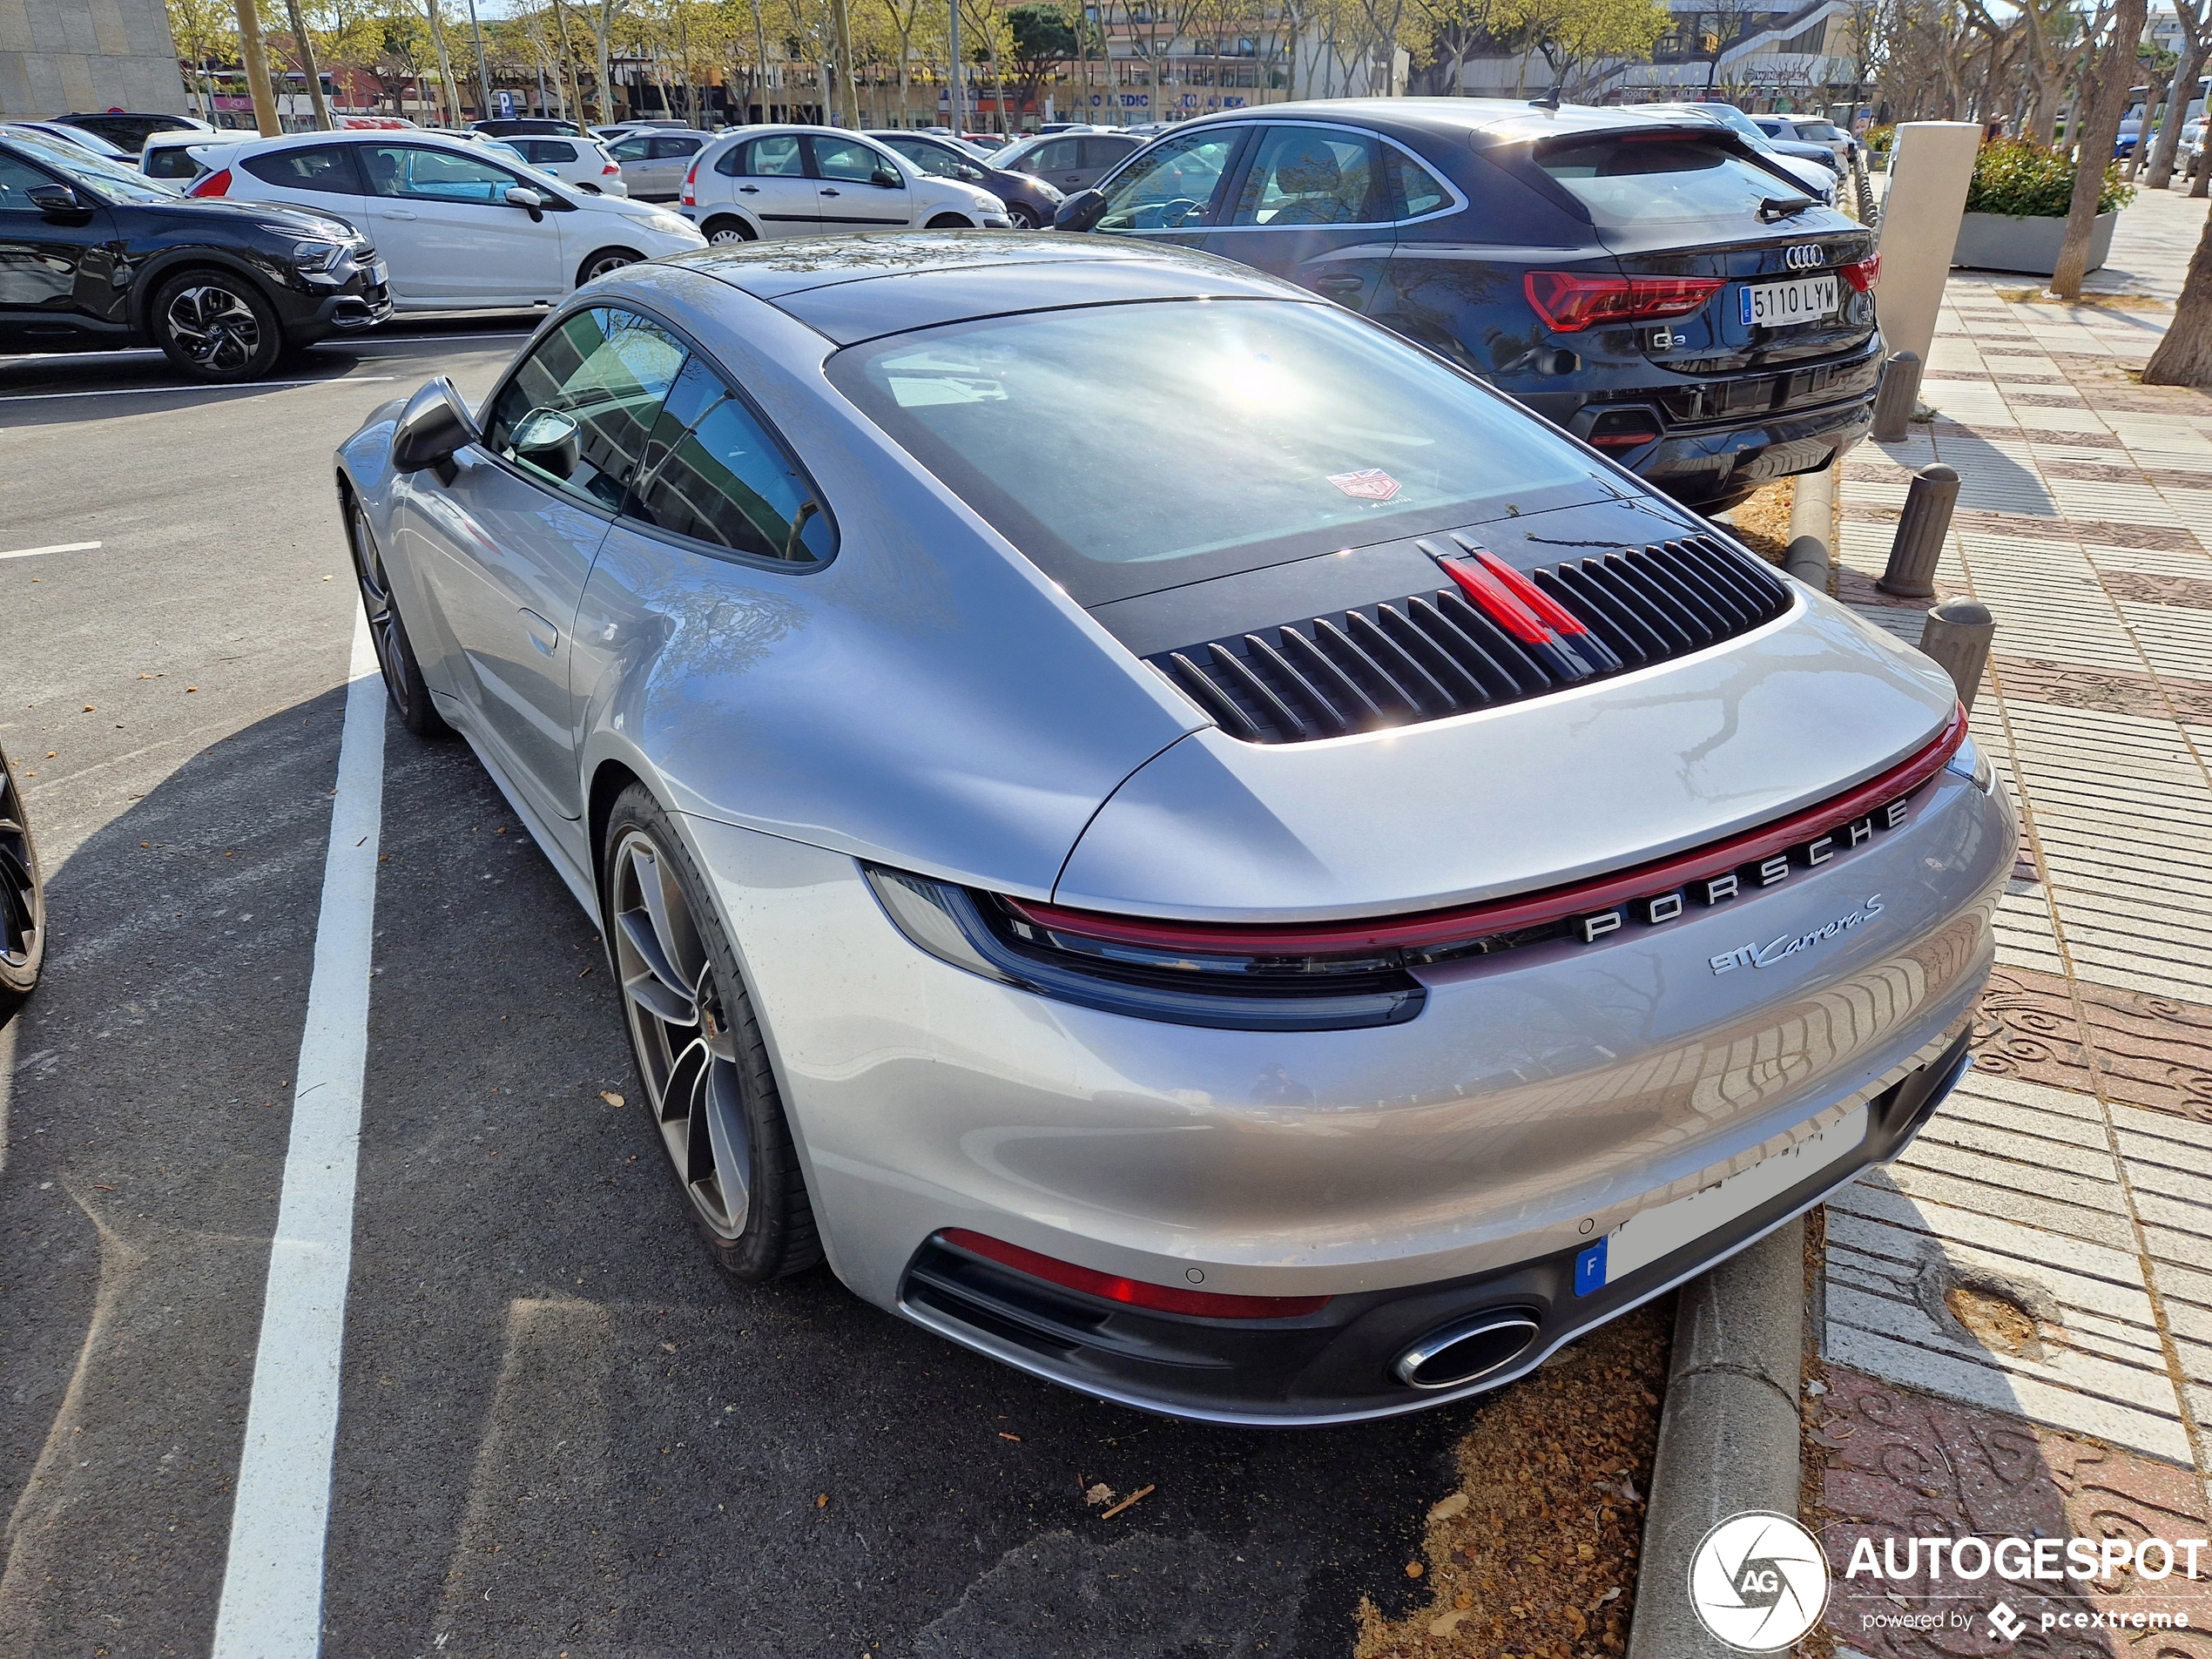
(1443, 652)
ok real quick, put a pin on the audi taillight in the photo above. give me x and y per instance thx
(1570, 302)
(1863, 275)
(216, 184)
(1133, 1292)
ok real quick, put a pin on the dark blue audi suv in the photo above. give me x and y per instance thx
(1654, 284)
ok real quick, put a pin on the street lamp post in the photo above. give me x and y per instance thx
(953, 89)
(483, 74)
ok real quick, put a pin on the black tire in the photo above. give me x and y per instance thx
(215, 326)
(728, 230)
(698, 1046)
(403, 681)
(22, 897)
(1023, 219)
(950, 222)
(605, 260)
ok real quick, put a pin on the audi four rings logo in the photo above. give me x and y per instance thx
(1721, 885)
(1804, 258)
(1758, 1581)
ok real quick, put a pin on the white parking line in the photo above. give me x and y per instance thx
(58, 547)
(272, 1605)
(240, 386)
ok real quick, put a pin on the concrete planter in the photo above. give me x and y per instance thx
(2007, 242)
(1877, 161)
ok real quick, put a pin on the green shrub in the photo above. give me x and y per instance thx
(2020, 178)
(1881, 138)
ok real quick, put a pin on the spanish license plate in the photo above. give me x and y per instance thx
(1649, 1234)
(1777, 305)
(376, 276)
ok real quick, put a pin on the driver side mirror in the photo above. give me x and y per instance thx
(548, 440)
(1080, 211)
(524, 197)
(434, 427)
(55, 199)
(884, 178)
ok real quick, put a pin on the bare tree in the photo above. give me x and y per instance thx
(2184, 357)
(2105, 90)
(2191, 65)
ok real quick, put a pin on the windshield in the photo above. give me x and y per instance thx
(1126, 448)
(1638, 180)
(112, 181)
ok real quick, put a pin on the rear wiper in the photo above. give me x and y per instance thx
(1784, 206)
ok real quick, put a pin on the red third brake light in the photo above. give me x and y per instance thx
(1164, 1298)
(1570, 301)
(1863, 275)
(216, 184)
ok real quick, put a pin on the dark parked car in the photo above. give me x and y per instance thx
(96, 256)
(130, 132)
(1070, 161)
(1030, 203)
(22, 902)
(1653, 285)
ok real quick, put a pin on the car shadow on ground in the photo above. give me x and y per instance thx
(562, 1428)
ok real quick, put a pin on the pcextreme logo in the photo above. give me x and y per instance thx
(1758, 1581)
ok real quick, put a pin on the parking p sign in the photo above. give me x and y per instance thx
(504, 102)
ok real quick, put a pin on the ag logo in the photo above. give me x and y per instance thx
(1758, 1581)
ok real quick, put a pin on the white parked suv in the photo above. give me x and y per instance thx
(581, 162)
(457, 225)
(763, 181)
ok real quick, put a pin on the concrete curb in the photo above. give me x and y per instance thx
(1812, 527)
(1728, 1433)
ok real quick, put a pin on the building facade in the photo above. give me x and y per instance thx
(60, 56)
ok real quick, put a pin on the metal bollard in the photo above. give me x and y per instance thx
(1899, 397)
(1957, 634)
(1920, 531)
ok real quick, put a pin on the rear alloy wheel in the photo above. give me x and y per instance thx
(23, 901)
(403, 681)
(599, 264)
(216, 327)
(699, 1048)
(726, 231)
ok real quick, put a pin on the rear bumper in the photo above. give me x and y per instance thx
(1703, 463)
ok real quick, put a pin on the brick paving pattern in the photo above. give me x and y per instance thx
(2070, 1178)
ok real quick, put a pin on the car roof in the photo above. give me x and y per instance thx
(857, 288)
(1486, 122)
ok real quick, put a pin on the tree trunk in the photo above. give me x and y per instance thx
(452, 93)
(2098, 135)
(2184, 356)
(2178, 98)
(304, 49)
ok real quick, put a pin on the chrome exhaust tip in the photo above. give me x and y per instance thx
(1460, 1353)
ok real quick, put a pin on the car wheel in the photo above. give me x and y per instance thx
(698, 1049)
(23, 901)
(216, 327)
(727, 231)
(606, 259)
(403, 681)
(950, 222)
(1023, 219)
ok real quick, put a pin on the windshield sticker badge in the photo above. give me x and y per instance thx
(1373, 484)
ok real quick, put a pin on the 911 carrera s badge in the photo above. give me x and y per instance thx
(1774, 950)
(1373, 484)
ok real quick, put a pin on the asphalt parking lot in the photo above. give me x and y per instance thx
(560, 1429)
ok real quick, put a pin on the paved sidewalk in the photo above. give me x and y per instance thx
(2043, 1255)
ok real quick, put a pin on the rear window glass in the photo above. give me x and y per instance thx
(1130, 447)
(1637, 180)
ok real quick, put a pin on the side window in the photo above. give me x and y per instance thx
(170, 161)
(665, 148)
(17, 180)
(846, 160)
(601, 377)
(633, 149)
(727, 482)
(1101, 153)
(1059, 156)
(774, 158)
(433, 175)
(928, 158)
(328, 167)
(1414, 189)
(1172, 185)
(1309, 176)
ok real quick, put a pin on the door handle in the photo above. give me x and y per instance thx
(748, 190)
(1339, 284)
(829, 193)
(394, 212)
(543, 634)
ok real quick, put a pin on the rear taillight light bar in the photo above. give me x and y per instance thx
(1570, 302)
(690, 183)
(1863, 275)
(216, 184)
(1133, 1292)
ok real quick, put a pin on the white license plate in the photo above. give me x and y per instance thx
(376, 277)
(1777, 305)
(1649, 1234)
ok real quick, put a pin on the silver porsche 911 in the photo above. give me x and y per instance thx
(1177, 839)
